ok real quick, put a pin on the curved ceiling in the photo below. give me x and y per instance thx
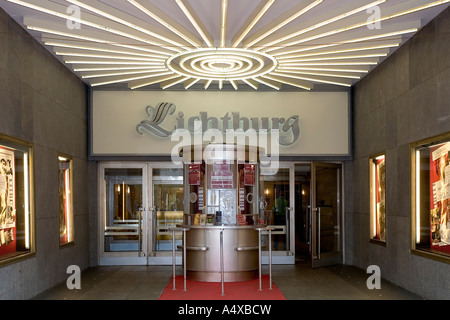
(213, 44)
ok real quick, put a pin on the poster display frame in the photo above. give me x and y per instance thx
(25, 244)
(423, 198)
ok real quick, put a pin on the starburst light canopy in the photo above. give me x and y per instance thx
(252, 44)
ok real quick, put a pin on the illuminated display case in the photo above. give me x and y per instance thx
(431, 197)
(16, 210)
(223, 188)
(221, 212)
(378, 198)
(66, 229)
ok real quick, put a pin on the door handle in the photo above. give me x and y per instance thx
(317, 210)
(317, 231)
(141, 209)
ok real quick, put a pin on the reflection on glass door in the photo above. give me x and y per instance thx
(168, 195)
(326, 214)
(302, 210)
(277, 200)
(123, 209)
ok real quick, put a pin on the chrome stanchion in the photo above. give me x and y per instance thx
(184, 257)
(173, 258)
(270, 258)
(221, 261)
(259, 258)
(184, 229)
(260, 255)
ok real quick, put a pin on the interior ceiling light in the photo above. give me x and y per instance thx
(142, 43)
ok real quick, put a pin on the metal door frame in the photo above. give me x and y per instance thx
(155, 257)
(316, 259)
(121, 257)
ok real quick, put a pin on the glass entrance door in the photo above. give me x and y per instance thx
(166, 209)
(277, 205)
(139, 203)
(123, 192)
(326, 214)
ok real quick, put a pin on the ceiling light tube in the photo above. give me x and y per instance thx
(71, 54)
(126, 23)
(318, 25)
(311, 79)
(405, 12)
(223, 25)
(286, 82)
(85, 38)
(250, 26)
(366, 23)
(166, 24)
(189, 83)
(88, 48)
(321, 74)
(282, 24)
(234, 84)
(129, 79)
(99, 75)
(194, 21)
(116, 68)
(207, 84)
(95, 25)
(158, 79)
(251, 83)
(363, 63)
(335, 58)
(268, 83)
(172, 83)
(323, 69)
(362, 39)
(340, 51)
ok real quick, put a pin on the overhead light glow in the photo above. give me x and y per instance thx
(273, 47)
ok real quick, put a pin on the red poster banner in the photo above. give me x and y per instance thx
(194, 174)
(249, 174)
(7, 202)
(440, 197)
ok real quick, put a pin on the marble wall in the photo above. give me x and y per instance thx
(404, 100)
(43, 103)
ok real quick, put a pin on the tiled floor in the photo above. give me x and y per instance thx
(297, 282)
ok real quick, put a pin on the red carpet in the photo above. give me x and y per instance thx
(246, 290)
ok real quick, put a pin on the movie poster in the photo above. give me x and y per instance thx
(440, 197)
(381, 199)
(7, 201)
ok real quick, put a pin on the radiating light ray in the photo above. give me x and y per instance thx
(271, 44)
(127, 79)
(114, 46)
(188, 12)
(165, 23)
(283, 23)
(254, 21)
(61, 14)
